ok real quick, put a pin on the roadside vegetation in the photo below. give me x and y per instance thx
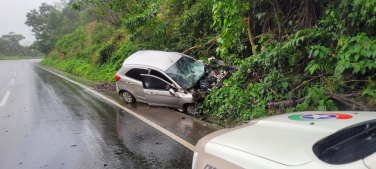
(19, 57)
(291, 55)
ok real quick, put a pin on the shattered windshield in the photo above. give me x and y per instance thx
(186, 72)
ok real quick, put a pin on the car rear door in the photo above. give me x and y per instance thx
(157, 93)
(133, 83)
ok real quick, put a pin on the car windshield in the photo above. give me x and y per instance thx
(186, 72)
(348, 145)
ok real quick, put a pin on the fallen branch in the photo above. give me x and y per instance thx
(287, 102)
(207, 50)
(345, 99)
(308, 81)
(373, 76)
(195, 47)
(352, 94)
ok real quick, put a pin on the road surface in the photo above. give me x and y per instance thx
(49, 122)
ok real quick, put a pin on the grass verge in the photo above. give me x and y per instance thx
(81, 67)
(19, 57)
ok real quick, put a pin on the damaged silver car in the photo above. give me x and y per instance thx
(167, 79)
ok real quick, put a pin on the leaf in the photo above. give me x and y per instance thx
(363, 70)
(347, 63)
(330, 105)
(356, 68)
(366, 53)
(374, 54)
(347, 55)
(356, 57)
(316, 52)
(285, 85)
(369, 65)
(227, 42)
(313, 68)
(310, 52)
(322, 108)
(220, 40)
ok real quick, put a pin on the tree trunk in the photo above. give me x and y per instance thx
(247, 21)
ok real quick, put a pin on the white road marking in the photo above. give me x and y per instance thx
(15, 74)
(12, 81)
(161, 129)
(2, 104)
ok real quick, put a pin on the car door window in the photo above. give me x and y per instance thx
(155, 83)
(160, 75)
(135, 73)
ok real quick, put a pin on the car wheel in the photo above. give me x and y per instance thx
(191, 109)
(127, 97)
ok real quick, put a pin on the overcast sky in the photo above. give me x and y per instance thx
(13, 16)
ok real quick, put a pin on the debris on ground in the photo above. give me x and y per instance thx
(106, 86)
(216, 71)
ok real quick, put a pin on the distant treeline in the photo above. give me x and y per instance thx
(10, 46)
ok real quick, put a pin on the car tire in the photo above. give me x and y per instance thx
(191, 109)
(127, 97)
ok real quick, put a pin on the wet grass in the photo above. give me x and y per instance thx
(19, 57)
(82, 80)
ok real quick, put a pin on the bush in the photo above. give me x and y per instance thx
(71, 41)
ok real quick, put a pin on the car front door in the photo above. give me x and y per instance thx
(157, 91)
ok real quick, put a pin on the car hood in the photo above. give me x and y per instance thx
(282, 139)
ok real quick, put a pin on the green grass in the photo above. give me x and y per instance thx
(18, 57)
(83, 68)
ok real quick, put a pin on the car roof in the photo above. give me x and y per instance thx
(157, 59)
(287, 139)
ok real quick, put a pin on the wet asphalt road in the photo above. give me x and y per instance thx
(48, 122)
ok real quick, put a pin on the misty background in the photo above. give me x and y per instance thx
(13, 17)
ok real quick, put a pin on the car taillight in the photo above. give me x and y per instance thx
(117, 77)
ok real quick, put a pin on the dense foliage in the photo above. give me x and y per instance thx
(309, 62)
(291, 55)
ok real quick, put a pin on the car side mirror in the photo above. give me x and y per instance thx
(172, 91)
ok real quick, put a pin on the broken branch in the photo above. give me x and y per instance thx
(309, 81)
(339, 97)
(287, 102)
(195, 47)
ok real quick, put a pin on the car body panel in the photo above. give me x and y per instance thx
(370, 161)
(161, 98)
(280, 139)
(185, 98)
(157, 59)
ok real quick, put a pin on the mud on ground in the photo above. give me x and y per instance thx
(106, 86)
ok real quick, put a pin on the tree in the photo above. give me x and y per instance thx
(10, 44)
(115, 11)
(49, 24)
